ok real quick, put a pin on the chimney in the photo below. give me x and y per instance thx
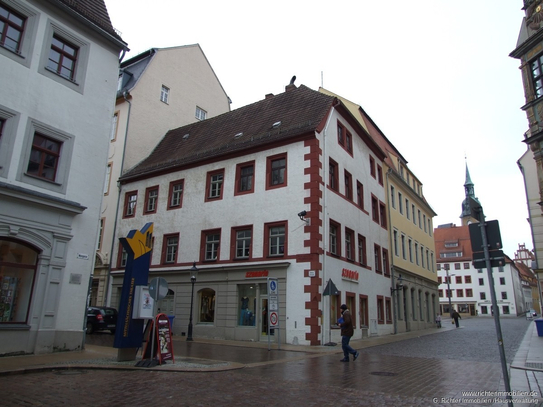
(269, 95)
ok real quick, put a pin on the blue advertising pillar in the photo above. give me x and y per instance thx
(129, 331)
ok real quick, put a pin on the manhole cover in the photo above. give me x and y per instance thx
(69, 372)
(383, 374)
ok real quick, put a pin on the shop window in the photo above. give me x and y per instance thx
(17, 273)
(247, 302)
(206, 313)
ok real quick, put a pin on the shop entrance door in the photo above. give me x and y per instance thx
(263, 325)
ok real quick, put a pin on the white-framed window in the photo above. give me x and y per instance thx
(212, 245)
(201, 114)
(164, 94)
(113, 135)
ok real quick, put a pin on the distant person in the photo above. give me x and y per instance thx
(438, 320)
(347, 332)
(456, 316)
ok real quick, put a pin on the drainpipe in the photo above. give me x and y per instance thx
(390, 233)
(108, 282)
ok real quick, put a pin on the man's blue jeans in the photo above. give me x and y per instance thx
(346, 347)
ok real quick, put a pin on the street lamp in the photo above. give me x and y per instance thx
(194, 273)
(399, 285)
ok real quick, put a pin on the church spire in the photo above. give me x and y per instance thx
(469, 188)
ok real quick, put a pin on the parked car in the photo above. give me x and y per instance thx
(101, 318)
(534, 314)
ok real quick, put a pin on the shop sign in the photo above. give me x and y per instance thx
(347, 274)
(256, 274)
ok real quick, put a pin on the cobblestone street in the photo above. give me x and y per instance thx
(429, 370)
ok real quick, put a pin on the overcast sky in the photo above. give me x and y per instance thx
(434, 75)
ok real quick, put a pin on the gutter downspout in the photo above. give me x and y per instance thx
(108, 282)
(390, 233)
(326, 315)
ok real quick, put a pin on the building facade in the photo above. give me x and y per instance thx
(289, 188)
(413, 265)
(158, 90)
(59, 62)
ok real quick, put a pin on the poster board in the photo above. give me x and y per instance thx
(162, 344)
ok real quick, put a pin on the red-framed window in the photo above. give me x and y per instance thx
(44, 157)
(241, 240)
(386, 264)
(362, 255)
(380, 174)
(372, 167)
(130, 202)
(214, 185)
(151, 200)
(276, 171)
(383, 214)
(349, 244)
(275, 239)
(245, 178)
(334, 239)
(360, 194)
(377, 258)
(170, 246)
(12, 29)
(388, 310)
(348, 185)
(340, 134)
(210, 245)
(333, 175)
(375, 209)
(380, 309)
(175, 194)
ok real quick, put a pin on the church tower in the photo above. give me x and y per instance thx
(467, 217)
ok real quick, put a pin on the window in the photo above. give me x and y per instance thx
(276, 171)
(380, 310)
(466, 266)
(44, 157)
(483, 296)
(458, 279)
(175, 195)
(362, 257)
(386, 269)
(62, 58)
(211, 239)
(388, 310)
(247, 304)
(130, 201)
(123, 256)
(276, 239)
(380, 174)
(151, 199)
(382, 214)
(245, 178)
(214, 185)
(169, 248)
(504, 295)
(393, 197)
(537, 75)
(502, 280)
(481, 281)
(340, 134)
(407, 208)
(457, 266)
(404, 253)
(164, 94)
(242, 238)
(467, 279)
(348, 186)
(360, 195)
(418, 214)
(206, 312)
(440, 293)
(416, 253)
(469, 292)
(374, 209)
(12, 27)
(372, 167)
(400, 202)
(100, 234)
(113, 135)
(459, 293)
(349, 142)
(506, 309)
(108, 179)
(333, 175)
(377, 258)
(413, 212)
(349, 241)
(201, 114)
(484, 309)
(334, 239)
(395, 242)
(18, 264)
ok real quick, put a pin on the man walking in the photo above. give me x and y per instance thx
(346, 332)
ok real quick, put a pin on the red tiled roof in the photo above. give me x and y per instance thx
(95, 11)
(300, 111)
(459, 234)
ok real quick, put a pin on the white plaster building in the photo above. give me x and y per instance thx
(158, 90)
(286, 188)
(59, 61)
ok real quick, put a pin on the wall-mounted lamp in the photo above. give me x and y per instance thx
(399, 285)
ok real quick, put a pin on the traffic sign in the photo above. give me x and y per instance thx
(274, 319)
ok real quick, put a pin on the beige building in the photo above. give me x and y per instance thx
(160, 89)
(412, 255)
